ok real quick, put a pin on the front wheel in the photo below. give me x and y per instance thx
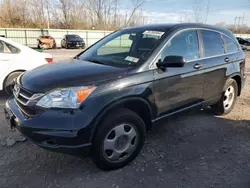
(228, 99)
(119, 139)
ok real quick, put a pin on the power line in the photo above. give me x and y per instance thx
(230, 8)
(239, 22)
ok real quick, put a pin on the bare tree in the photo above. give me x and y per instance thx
(201, 10)
(77, 14)
(136, 5)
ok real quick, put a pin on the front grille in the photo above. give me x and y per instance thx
(22, 96)
(25, 101)
(27, 111)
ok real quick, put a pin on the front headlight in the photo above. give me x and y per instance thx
(66, 97)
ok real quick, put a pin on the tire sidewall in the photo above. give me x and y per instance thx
(233, 83)
(125, 116)
(9, 80)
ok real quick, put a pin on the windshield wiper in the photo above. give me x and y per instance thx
(95, 61)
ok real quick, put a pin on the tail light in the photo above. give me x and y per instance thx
(49, 60)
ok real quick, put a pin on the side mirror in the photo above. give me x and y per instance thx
(171, 61)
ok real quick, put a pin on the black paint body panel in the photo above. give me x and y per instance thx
(164, 92)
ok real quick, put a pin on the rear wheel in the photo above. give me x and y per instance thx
(8, 83)
(119, 140)
(228, 99)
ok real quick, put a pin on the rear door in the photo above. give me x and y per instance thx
(7, 58)
(178, 88)
(217, 63)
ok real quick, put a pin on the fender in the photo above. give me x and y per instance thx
(108, 108)
(240, 82)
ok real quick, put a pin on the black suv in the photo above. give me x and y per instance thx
(243, 41)
(72, 41)
(107, 97)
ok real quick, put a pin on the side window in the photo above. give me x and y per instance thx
(4, 48)
(12, 48)
(1, 47)
(230, 45)
(213, 44)
(184, 44)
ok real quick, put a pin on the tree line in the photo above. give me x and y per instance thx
(92, 14)
(70, 14)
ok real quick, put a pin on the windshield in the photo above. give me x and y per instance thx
(127, 47)
(73, 37)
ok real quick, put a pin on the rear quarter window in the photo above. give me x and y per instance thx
(212, 43)
(230, 45)
(8, 48)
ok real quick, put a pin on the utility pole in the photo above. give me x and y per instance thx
(242, 22)
(235, 21)
(238, 21)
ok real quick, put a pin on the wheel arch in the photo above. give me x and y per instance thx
(19, 70)
(237, 78)
(136, 104)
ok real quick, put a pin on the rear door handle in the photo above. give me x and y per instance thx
(227, 60)
(197, 66)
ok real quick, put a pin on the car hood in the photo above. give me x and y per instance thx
(68, 74)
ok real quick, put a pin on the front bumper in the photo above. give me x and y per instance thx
(53, 129)
(76, 45)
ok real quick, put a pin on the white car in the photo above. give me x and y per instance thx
(16, 59)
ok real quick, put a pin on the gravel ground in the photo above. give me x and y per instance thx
(195, 149)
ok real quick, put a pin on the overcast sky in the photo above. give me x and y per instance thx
(169, 11)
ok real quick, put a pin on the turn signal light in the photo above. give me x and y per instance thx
(83, 94)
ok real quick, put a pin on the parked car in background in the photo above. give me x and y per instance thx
(248, 39)
(46, 42)
(16, 59)
(243, 41)
(243, 47)
(107, 97)
(72, 41)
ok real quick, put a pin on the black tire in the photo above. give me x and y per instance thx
(54, 46)
(66, 46)
(7, 85)
(122, 116)
(219, 108)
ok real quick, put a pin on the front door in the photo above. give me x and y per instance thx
(181, 87)
(6, 59)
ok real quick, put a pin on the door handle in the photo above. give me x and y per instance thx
(227, 60)
(197, 66)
